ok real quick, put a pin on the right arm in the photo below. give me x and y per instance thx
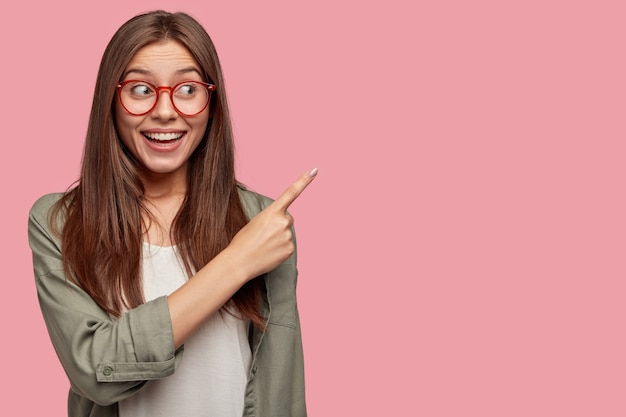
(263, 244)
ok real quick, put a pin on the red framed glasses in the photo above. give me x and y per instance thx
(188, 98)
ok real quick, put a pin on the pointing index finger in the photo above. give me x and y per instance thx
(295, 189)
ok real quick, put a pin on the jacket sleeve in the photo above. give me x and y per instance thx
(105, 359)
(276, 382)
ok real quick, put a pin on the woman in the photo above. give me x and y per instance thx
(167, 288)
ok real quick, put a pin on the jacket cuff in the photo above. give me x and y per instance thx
(138, 371)
(153, 342)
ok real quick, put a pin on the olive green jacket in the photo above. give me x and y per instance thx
(107, 360)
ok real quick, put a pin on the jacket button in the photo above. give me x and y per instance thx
(107, 371)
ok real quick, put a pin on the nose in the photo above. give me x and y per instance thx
(164, 109)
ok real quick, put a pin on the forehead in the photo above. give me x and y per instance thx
(162, 58)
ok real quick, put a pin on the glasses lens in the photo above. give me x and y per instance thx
(189, 97)
(138, 97)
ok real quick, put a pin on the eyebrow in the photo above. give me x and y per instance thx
(143, 71)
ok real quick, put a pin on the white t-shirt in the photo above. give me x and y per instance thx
(211, 378)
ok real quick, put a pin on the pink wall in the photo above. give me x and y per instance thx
(462, 251)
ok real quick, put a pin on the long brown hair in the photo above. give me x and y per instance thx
(102, 234)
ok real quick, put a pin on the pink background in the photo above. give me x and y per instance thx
(462, 251)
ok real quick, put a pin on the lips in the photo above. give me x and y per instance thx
(163, 137)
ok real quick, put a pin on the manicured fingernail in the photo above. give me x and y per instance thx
(313, 172)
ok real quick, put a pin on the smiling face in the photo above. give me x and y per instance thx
(162, 140)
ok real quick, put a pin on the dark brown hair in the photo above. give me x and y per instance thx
(102, 234)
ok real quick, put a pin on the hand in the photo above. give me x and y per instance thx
(266, 241)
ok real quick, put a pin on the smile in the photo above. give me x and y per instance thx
(163, 137)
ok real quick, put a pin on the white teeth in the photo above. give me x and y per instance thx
(163, 136)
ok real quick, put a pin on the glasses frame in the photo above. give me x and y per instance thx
(158, 90)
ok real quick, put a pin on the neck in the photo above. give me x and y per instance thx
(163, 197)
(164, 186)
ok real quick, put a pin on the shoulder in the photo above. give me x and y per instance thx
(252, 202)
(41, 207)
(43, 238)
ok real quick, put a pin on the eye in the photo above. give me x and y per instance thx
(187, 90)
(140, 90)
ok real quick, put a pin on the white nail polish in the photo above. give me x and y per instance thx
(313, 172)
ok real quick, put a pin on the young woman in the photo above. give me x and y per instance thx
(168, 289)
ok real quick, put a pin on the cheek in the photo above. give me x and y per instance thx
(123, 126)
(199, 126)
